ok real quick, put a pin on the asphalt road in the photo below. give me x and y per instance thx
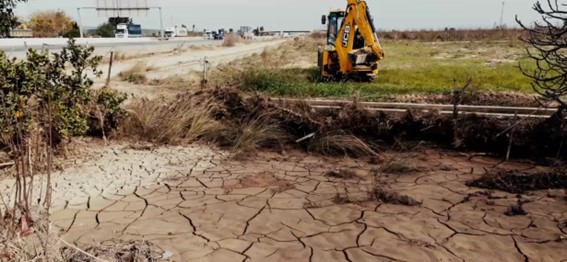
(17, 47)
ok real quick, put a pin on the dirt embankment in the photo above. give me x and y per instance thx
(537, 138)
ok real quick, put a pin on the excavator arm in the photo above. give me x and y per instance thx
(362, 18)
(357, 46)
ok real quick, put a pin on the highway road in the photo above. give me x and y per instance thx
(17, 47)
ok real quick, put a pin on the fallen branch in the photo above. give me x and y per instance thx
(305, 138)
(5, 165)
(81, 251)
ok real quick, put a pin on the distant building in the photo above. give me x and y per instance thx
(246, 32)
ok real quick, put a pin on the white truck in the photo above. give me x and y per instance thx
(176, 32)
(208, 35)
(128, 31)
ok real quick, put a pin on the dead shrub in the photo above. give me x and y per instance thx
(117, 56)
(256, 132)
(177, 83)
(322, 34)
(341, 200)
(340, 144)
(389, 196)
(169, 122)
(45, 245)
(342, 174)
(517, 182)
(401, 164)
(382, 192)
(136, 74)
(131, 251)
(39, 244)
(517, 209)
(230, 40)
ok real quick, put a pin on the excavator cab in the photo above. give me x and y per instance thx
(352, 48)
(335, 20)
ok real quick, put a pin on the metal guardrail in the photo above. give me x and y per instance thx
(21, 33)
(496, 111)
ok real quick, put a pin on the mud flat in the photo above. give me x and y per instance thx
(295, 207)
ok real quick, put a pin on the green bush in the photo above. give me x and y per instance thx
(53, 92)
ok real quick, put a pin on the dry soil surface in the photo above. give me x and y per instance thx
(186, 63)
(201, 205)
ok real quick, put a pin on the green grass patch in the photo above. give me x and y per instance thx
(424, 80)
(409, 68)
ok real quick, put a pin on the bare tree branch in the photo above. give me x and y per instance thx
(548, 49)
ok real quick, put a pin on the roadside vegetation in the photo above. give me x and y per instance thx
(410, 67)
(45, 101)
(136, 74)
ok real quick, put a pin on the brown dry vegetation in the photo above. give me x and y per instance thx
(162, 121)
(223, 116)
(45, 246)
(520, 182)
(230, 40)
(452, 34)
(136, 74)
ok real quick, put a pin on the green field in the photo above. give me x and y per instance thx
(410, 67)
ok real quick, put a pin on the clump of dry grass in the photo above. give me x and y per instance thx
(402, 164)
(230, 40)
(342, 174)
(134, 251)
(174, 83)
(388, 196)
(517, 209)
(340, 144)
(382, 192)
(39, 244)
(45, 245)
(164, 121)
(318, 34)
(119, 56)
(255, 133)
(136, 74)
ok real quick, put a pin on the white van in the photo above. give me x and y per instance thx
(182, 32)
(170, 32)
(208, 35)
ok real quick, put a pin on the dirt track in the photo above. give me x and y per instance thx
(177, 63)
(283, 208)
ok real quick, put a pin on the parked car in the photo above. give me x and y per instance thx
(218, 35)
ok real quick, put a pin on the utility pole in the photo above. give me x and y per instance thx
(502, 15)
(80, 23)
(161, 23)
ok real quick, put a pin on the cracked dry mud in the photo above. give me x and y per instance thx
(280, 208)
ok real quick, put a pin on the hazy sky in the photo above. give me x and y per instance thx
(306, 14)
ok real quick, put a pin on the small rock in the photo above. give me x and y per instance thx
(167, 255)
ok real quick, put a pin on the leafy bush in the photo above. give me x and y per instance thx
(53, 91)
(106, 112)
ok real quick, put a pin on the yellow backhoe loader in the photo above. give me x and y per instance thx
(352, 49)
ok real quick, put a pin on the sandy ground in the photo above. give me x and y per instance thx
(185, 63)
(201, 205)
